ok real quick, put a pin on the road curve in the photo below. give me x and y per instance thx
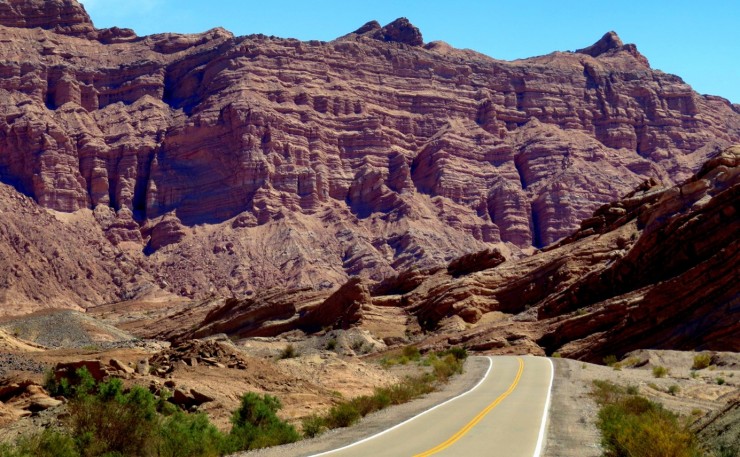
(505, 414)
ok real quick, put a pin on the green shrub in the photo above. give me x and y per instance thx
(610, 360)
(189, 435)
(694, 374)
(411, 353)
(701, 361)
(255, 424)
(674, 389)
(342, 415)
(634, 426)
(288, 352)
(113, 421)
(78, 383)
(660, 371)
(331, 344)
(446, 367)
(720, 381)
(556, 355)
(313, 425)
(460, 353)
(640, 428)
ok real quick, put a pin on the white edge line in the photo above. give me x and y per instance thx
(490, 365)
(541, 437)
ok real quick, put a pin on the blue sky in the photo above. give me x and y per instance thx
(695, 40)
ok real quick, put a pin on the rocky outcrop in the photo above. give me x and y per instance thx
(341, 309)
(477, 261)
(221, 165)
(61, 16)
(657, 269)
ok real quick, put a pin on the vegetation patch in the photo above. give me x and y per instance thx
(660, 371)
(288, 352)
(633, 426)
(107, 420)
(701, 361)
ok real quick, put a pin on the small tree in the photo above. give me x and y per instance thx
(255, 424)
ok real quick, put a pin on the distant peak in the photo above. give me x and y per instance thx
(607, 43)
(399, 31)
(368, 27)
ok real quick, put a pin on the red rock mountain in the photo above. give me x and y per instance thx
(216, 165)
(656, 269)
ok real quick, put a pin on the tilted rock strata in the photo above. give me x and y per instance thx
(366, 155)
(657, 269)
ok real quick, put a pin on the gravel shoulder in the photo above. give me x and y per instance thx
(573, 413)
(571, 428)
(475, 368)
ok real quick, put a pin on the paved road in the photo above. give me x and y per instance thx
(503, 416)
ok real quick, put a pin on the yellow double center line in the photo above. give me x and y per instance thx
(477, 418)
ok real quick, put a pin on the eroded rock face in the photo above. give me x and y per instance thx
(657, 269)
(313, 161)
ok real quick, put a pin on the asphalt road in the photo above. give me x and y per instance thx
(502, 416)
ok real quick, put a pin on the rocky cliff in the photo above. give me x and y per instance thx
(221, 164)
(656, 269)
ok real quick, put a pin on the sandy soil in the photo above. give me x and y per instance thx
(572, 431)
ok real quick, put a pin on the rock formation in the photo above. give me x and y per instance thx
(210, 164)
(657, 269)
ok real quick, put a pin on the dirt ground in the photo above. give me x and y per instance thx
(572, 431)
(343, 364)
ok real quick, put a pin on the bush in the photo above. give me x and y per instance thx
(660, 371)
(411, 353)
(460, 353)
(720, 381)
(113, 421)
(313, 425)
(610, 360)
(79, 383)
(701, 361)
(288, 353)
(640, 428)
(674, 389)
(189, 435)
(342, 415)
(331, 344)
(444, 368)
(106, 420)
(634, 426)
(255, 424)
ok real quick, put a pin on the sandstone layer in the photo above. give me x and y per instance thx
(211, 164)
